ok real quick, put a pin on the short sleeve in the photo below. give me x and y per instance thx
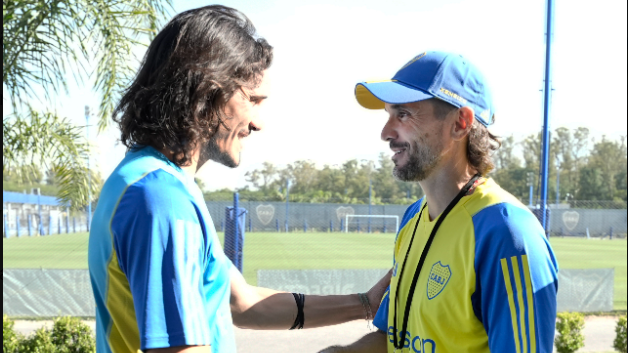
(160, 248)
(516, 280)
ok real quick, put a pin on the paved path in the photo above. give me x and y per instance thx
(599, 334)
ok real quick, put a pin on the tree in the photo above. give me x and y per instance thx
(46, 41)
(608, 158)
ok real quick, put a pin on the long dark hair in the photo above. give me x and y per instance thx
(482, 143)
(191, 69)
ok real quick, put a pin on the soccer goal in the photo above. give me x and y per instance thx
(371, 223)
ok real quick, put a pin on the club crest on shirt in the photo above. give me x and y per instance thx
(439, 277)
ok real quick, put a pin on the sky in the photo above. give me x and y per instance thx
(323, 48)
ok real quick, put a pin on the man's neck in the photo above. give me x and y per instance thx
(444, 183)
(191, 168)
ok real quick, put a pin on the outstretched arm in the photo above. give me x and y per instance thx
(374, 342)
(267, 309)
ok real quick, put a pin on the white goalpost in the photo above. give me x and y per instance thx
(374, 216)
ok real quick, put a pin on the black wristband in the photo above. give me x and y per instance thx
(300, 319)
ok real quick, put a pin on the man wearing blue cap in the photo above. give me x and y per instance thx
(473, 271)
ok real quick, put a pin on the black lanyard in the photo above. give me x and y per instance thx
(399, 343)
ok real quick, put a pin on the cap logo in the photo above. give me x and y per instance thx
(453, 95)
(413, 60)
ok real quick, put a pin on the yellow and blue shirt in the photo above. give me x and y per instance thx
(488, 283)
(159, 275)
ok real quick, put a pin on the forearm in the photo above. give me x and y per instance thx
(273, 310)
(267, 309)
(374, 342)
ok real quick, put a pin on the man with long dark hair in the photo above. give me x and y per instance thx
(160, 278)
(473, 271)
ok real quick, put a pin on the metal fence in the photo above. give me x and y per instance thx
(273, 216)
(578, 218)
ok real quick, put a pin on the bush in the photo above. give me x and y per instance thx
(570, 337)
(39, 342)
(71, 335)
(10, 339)
(620, 339)
(68, 335)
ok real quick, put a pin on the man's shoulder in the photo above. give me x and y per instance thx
(143, 183)
(495, 211)
(145, 172)
(489, 195)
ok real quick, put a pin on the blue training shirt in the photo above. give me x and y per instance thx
(159, 275)
(488, 284)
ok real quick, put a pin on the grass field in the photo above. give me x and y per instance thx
(313, 251)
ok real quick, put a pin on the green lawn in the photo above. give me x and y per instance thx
(313, 251)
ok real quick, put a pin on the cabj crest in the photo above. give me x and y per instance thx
(439, 277)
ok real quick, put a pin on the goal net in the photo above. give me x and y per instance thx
(371, 223)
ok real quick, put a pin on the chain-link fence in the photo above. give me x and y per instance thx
(577, 218)
(33, 215)
(47, 223)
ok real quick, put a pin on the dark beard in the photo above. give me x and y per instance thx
(421, 162)
(211, 151)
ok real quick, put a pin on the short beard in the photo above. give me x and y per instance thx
(211, 151)
(422, 160)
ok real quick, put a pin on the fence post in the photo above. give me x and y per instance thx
(59, 225)
(6, 227)
(331, 225)
(611, 234)
(277, 224)
(342, 228)
(358, 224)
(40, 227)
(384, 230)
(250, 225)
(305, 225)
(17, 223)
(49, 224)
(30, 234)
(67, 220)
(73, 224)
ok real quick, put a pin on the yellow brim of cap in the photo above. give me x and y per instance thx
(366, 98)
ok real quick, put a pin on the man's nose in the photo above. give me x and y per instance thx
(256, 124)
(389, 132)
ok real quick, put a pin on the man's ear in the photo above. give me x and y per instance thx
(463, 123)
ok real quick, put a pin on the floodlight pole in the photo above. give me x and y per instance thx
(89, 172)
(549, 33)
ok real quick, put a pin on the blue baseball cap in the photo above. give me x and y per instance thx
(448, 77)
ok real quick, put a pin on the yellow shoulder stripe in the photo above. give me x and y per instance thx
(530, 294)
(524, 308)
(511, 303)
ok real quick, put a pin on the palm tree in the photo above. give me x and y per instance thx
(43, 42)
